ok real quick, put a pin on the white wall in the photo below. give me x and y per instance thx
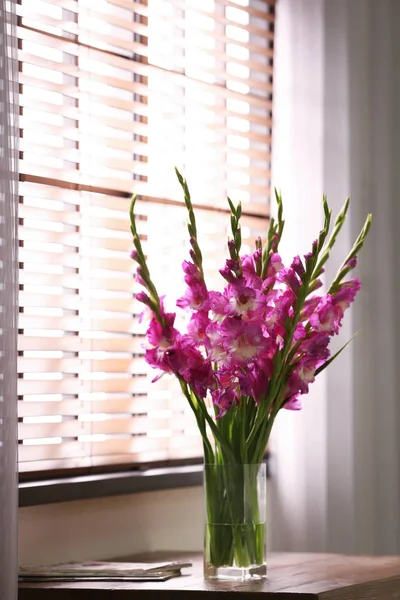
(118, 526)
(112, 527)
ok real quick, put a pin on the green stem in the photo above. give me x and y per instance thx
(208, 453)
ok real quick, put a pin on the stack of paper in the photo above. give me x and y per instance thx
(103, 571)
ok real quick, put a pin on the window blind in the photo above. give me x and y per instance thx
(8, 300)
(113, 95)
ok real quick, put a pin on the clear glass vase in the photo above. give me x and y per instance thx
(235, 521)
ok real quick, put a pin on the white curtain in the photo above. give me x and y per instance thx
(336, 484)
(8, 301)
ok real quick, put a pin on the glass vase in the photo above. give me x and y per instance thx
(235, 521)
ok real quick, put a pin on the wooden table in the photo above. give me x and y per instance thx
(292, 576)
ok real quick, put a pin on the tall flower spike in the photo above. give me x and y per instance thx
(235, 243)
(192, 229)
(139, 257)
(281, 221)
(339, 222)
(349, 262)
(274, 235)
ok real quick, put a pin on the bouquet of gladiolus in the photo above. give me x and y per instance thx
(248, 351)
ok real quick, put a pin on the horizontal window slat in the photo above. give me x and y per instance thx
(82, 366)
(132, 344)
(66, 301)
(132, 445)
(64, 259)
(145, 457)
(111, 406)
(128, 384)
(75, 324)
(74, 428)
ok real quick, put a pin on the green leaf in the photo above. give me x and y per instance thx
(332, 358)
(132, 214)
(179, 176)
(231, 206)
(238, 239)
(278, 199)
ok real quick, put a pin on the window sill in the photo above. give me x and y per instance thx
(85, 487)
(110, 484)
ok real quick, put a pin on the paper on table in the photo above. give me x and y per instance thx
(94, 570)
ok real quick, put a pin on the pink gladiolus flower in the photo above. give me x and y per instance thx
(158, 335)
(308, 256)
(255, 381)
(161, 338)
(195, 370)
(306, 369)
(303, 375)
(226, 378)
(352, 263)
(233, 265)
(161, 341)
(243, 301)
(275, 265)
(249, 270)
(218, 302)
(200, 379)
(267, 286)
(155, 357)
(133, 254)
(146, 315)
(197, 327)
(346, 293)
(316, 345)
(298, 266)
(227, 274)
(309, 307)
(196, 295)
(293, 403)
(284, 302)
(295, 385)
(288, 276)
(214, 344)
(327, 316)
(299, 332)
(190, 270)
(275, 242)
(248, 266)
(143, 297)
(242, 340)
(276, 332)
(224, 398)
